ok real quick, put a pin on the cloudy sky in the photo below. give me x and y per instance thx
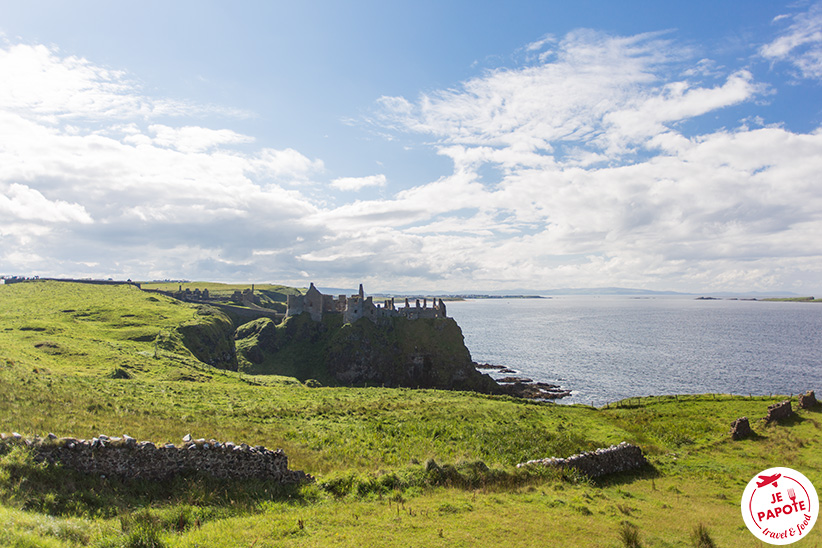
(415, 145)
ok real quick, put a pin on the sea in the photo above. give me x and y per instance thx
(607, 348)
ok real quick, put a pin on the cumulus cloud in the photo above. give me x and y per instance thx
(21, 202)
(93, 183)
(593, 182)
(581, 167)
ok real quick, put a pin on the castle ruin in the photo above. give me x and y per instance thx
(358, 306)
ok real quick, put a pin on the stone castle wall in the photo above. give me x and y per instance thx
(617, 458)
(127, 458)
(358, 306)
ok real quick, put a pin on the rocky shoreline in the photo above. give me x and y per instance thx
(523, 387)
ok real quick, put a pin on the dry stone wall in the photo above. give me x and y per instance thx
(779, 411)
(740, 428)
(808, 400)
(617, 458)
(128, 458)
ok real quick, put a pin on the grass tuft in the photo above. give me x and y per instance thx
(701, 538)
(629, 535)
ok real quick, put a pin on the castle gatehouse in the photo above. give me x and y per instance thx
(358, 306)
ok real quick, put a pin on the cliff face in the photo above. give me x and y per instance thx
(424, 353)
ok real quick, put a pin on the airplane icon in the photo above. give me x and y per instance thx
(767, 480)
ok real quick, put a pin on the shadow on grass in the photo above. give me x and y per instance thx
(59, 491)
(793, 420)
(647, 472)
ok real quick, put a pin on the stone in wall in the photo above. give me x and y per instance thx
(617, 458)
(779, 411)
(808, 400)
(740, 428)
(128, 458)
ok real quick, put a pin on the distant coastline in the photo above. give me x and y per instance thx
(765, 299)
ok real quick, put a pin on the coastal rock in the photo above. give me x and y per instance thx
(391, 352)
(488, 366)
(535, 391)
(515, 379)
(740, 428)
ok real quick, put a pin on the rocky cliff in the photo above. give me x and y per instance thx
(424, 353)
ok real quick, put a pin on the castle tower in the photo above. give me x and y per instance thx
(314, 303)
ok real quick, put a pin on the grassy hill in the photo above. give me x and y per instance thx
(270, 295)
(394, 467)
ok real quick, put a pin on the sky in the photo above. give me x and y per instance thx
(444, 146)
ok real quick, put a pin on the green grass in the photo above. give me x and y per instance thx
(394, 467)
(222, 289)
(271, 295)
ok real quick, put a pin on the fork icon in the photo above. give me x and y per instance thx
(792, 495)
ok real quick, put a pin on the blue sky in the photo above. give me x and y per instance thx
(420, 145)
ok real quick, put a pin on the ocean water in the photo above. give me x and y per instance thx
(607, 348)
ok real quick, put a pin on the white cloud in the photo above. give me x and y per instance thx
(608, 93)
(42, 85)
(569, 202)
(285, 164)
(800, 44)
(21, 202)
(195, 139)
(358, 183)
(92, 184)
(572, 170)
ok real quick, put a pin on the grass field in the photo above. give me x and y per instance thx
(394, 467)
(270, 295)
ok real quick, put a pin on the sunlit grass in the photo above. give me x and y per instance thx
(394, 467)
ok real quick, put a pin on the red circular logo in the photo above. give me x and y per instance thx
(780, 506)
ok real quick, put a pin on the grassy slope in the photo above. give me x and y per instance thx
(87, 330)
(355, 441)
(269, 294)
